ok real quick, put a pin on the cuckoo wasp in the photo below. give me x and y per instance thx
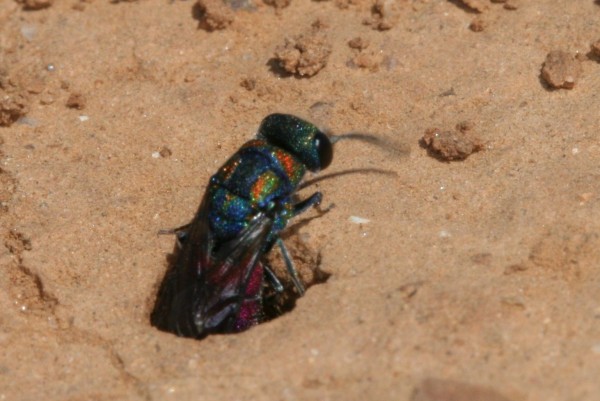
(217, 281)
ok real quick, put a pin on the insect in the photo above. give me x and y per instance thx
(216, 284)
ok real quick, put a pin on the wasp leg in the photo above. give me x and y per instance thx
(312, 201)
(289, 264)
(180, 232)
(277, 286)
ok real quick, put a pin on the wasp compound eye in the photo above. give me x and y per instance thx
(324, 148)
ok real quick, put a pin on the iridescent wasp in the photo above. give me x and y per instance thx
(216, 284)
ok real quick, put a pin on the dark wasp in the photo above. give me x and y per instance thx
(216, 284)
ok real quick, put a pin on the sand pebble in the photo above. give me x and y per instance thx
(451, 145)
(561, 70)
(304, 55)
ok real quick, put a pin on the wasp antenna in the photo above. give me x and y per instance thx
(369, 138)
(323, 177)
(385, 144)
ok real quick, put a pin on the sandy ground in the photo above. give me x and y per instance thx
(472, 279)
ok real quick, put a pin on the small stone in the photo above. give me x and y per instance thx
(304, 55)
(358, 43)
(12, 107)
(76, 101)
(450, 146)
(384, 15)
(477, 25)
(367, 60)
(165, 152)
(561, 70)
(213, 14)
(248, 83)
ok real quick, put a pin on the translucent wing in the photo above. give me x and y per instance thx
(214, 287)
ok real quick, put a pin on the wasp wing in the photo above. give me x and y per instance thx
(214, 287)
(172, 311)
(233, 298)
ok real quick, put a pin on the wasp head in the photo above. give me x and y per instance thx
(299, 137)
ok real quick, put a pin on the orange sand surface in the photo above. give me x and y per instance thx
(474, 278)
